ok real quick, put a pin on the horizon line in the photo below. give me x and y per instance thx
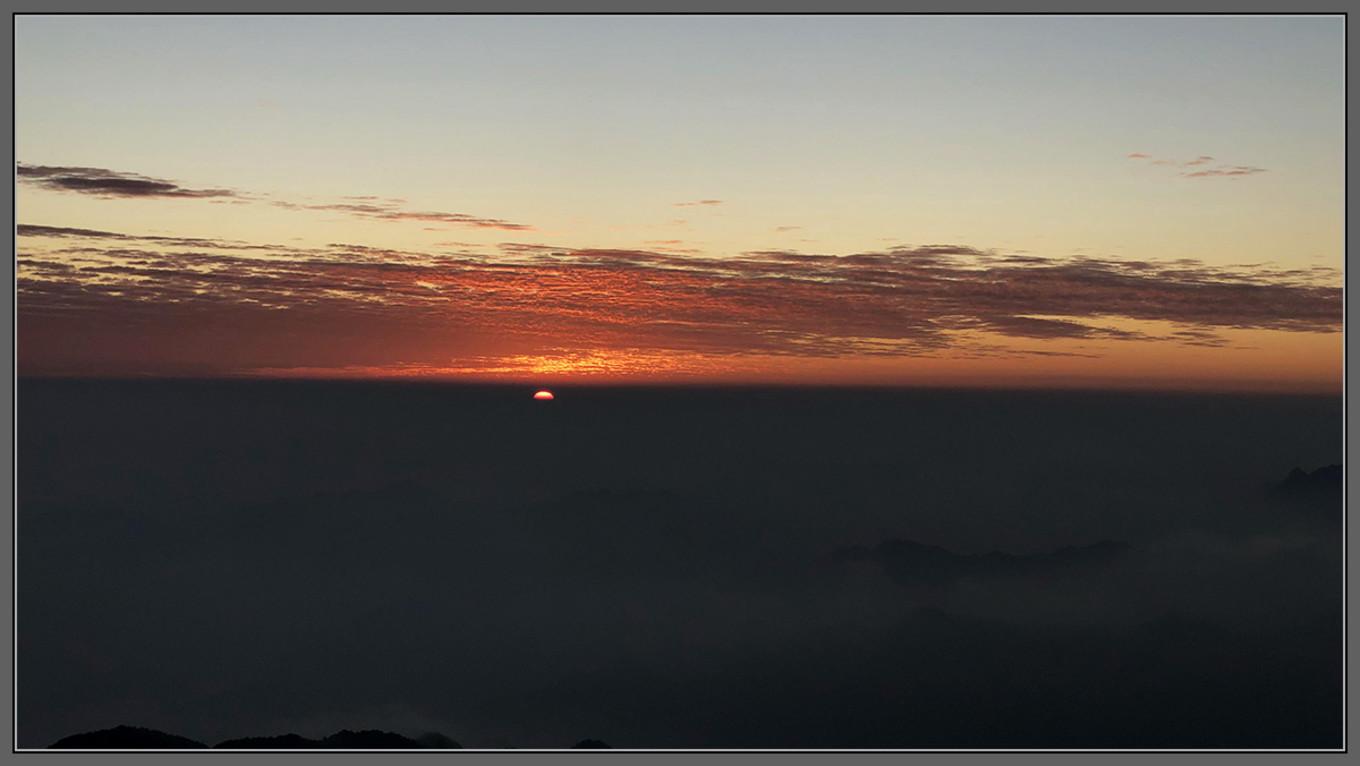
(1337, 390)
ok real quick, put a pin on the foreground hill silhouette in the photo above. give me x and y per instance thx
(126, 738)
(281, 742)
(139, 738)
(590, 744)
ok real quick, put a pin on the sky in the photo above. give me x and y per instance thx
(1127, 202)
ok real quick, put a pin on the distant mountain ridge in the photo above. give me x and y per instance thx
(1324, 484)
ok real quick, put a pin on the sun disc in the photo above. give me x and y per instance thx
(544, 395)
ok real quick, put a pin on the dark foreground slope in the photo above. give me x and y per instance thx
(678, 567)
(126, 738)
(137, 738)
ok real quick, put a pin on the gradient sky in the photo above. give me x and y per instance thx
(1105, 201)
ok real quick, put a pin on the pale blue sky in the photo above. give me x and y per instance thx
(1003, 132)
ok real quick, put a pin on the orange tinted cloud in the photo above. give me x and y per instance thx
(348, 306)
(1231, 171)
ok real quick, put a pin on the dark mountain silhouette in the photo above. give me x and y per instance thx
(433, 740)
(908, 562)
(590, 744)
(281, 742)
(137, 738)
(369, 739)
(125, 738)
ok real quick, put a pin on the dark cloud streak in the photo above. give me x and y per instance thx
(391, 211)
(100, 182)
(113, 184)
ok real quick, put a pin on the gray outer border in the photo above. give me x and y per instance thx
(654, 6)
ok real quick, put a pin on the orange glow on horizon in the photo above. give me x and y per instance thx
(1264, 362)
(937, 316)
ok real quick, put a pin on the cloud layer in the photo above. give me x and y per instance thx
(528, 298)
(533, 306)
